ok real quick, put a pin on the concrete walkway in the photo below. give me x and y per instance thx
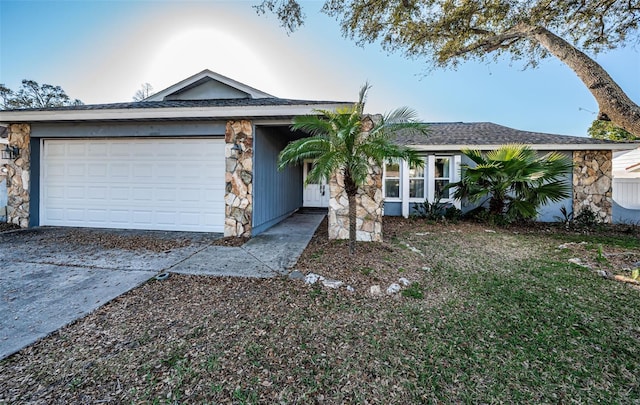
(269, 254)
(47, 283)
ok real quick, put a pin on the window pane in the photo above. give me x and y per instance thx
(310, 166)
(393, 170)
(416, 172)
(440, 191)
(416, 188)
(442, 167)
(392, 188)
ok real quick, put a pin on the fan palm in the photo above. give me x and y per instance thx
(348, 142)
(515, 180)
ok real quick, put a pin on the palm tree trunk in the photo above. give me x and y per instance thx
(352, 223)
(351, 189)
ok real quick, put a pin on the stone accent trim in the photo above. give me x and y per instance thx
(592, 184)
(369, 203)
(238, 198)
(18, 176)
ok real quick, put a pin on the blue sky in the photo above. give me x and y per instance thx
(102, 51)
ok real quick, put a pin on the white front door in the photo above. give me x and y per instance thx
(315, 194)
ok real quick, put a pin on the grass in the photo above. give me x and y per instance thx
(500, 318)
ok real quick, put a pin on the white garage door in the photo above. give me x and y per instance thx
(160, 184)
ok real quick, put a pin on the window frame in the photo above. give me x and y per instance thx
(425, 171)
(399, 178)
(450, 178)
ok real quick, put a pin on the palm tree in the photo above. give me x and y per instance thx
(515, 180)
(348, 142)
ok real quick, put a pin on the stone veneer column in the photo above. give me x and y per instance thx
(18, 176)
(592, 184)
(368, 208)
(238, 196)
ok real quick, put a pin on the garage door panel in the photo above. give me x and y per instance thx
(97, 193)
(76, 193)
(162, 184)
(119, 170)
(98, 149)
(75, 170)
(97, 170)
(97, 216)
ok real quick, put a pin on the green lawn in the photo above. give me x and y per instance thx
(491, 318)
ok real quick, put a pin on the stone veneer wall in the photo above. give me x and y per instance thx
(592, 184)
(238, 196)
(368, 208)
(18, 176)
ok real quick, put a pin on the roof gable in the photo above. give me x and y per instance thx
(207, 85)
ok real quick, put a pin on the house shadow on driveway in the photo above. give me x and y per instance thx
(49, 277)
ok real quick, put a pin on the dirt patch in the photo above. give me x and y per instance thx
(413, 249)
(5, 226)
(230, 241)
(114, 240)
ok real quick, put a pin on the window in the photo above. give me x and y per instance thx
(392, 180)
(416, 182)
(442, 177)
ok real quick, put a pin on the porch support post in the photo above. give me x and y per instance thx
(404, 187)
(369, 204)
(19, 175)
(592, 184)
(238, 198)
(368, 208)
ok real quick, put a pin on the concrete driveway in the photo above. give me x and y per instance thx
(50, 277)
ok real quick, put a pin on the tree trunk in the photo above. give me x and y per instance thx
(351, 189)
(352, 223)
(613, 103)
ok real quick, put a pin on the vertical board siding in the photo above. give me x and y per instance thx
(626, 193)
(276, 193)
(34, 186)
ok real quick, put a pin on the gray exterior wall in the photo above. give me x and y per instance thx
(393, 209)
(551, 211)
(209, 89)
(276, 193)
(621, 215)
(134, 129)
(34, 187)
(3, 199)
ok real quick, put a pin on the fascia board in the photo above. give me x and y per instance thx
(164, 113)
(548, 147)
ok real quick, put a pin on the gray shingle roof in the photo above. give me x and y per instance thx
(486, 133)
(231, 102)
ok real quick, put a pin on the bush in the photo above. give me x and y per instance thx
(436, 211)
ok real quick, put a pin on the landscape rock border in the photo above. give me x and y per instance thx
(374, 290)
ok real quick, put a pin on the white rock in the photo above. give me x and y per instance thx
(425, 268)
(350, 289)
(332, 283)
(375, 290)
(489, 231)
(423, 233)
(404, 281)
(393, 289)
(578, 262)
(313, 278)
(413, 249)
